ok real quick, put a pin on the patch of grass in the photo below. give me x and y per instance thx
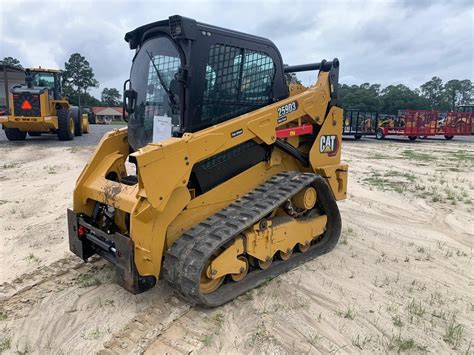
(397, 321)
(50, 169)
(440, 314)
(416, 308)
(421, 250)
(314, 339)
(385, 184)
(9, 165)
(261, 336)
(453, 334)
(398, 181)
(94, 334)
(3, 316)
(348, 313)
(219, 319)
(436, 297)
(463, 155)
(119, 122)
(452, 194)
(207, 340)
(88, 280)
(400, 344)
(361, 343)
(379, 156)
(394, 173)
(32, 258)
(413, 155)
(460, 253)
(5, 343)
(110, 303)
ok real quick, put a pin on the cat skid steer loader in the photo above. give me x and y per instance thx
(226, 176)
(39, 106)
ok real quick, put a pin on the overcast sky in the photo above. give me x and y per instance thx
(386, 42)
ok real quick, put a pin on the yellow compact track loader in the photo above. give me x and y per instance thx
(226, 176)
(39, 107)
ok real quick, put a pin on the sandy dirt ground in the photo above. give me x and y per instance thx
(400, 280)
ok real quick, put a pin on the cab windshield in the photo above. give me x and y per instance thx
(43, 80)
(157, 111)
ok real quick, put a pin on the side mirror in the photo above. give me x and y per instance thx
(129, 100)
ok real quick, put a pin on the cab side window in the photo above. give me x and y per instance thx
(237, 81)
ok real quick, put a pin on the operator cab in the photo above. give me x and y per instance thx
(26, 97)
(187, 76)
(46, 78)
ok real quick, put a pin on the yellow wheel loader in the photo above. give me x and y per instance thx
(38, 107)
(225, 176)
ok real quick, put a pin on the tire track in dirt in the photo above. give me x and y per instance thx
(20, 297)
(35, 285)
(31, 279)
(145, 328)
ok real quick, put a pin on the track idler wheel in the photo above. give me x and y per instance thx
(243, 271)
(208, 284)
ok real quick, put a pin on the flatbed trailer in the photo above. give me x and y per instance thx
(426, 123)
(358, 123)
(410, 123)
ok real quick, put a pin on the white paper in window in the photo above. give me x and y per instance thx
(161, 128)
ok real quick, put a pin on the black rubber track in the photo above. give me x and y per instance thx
(187, 257)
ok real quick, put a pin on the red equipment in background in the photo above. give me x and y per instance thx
(456, 124)
(411, 123)
(426, 123)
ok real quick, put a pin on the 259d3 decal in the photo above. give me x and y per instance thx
(286, 109)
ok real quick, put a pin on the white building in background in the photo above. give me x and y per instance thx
(105, 115)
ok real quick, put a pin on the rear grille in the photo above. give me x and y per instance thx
(26, 99)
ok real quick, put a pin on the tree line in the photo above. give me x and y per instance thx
(432, 95)
(78, 78)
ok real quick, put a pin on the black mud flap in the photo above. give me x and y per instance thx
(115, 248)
